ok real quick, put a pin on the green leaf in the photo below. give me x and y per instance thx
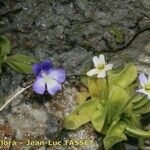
(81, 115)
(138, 132)
(117, 101)
(131, 89)
(21, 63)
(99, 117)
(82, 97)
(132, 120)
(128, 109)
(137, 98)
(5, 46)
(96, 86)
(143, 110)
(141, 103)
(84, 81)
(115, 135)
(126, 76)
(133, 127)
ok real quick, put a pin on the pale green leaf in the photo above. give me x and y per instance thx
(117, 101)
(132, 120)
(115, 135)
(128, 109)
(143, 110)
(133, 127)
(99, 117)
(82, 97)
(126, 76)
(141, 103)
(131, 89)
(137, 132)
(81, 115)
(96, 86)
(137, 98)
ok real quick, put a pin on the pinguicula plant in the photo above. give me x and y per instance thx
(113, 105)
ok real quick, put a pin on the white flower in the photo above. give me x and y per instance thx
(100, 67)
(145, 83)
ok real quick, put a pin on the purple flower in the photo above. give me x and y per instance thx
(47, 78)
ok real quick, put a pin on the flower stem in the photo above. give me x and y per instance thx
(14, 96)
(107, 83)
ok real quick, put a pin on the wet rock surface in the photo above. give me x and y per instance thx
(70, 32)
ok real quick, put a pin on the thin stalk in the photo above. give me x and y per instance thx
(107, 84)
(138, 132)
(14, 96)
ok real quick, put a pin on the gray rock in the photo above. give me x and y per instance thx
(9, 81)
(59, 26)
(54, 126)
(130, 147)
(146, 3)
(70, 33)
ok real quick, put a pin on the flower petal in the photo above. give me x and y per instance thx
(39, 85)
(53, 87)
(142, 79)
(92, 72)
(102, 59)
(148, 96)
(108, 67)
(57, 74)
(44, 65)
(96, 61)
(141, 91)
(101, 74)
(149, 78)
(35, 68)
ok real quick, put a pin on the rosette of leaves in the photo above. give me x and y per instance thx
(19, 62)
(113, 108)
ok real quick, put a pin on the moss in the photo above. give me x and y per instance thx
(118, 34)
